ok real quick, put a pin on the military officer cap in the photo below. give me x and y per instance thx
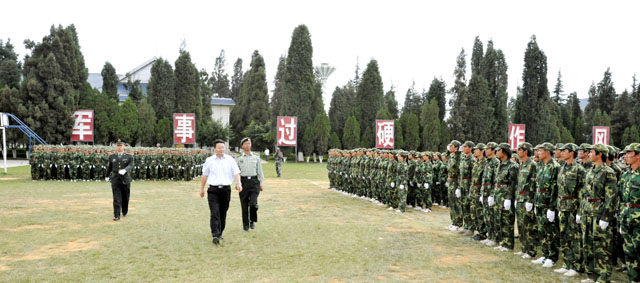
(570, 146)
(504, 146)
(601, 148)
(492, 145)
(525, 146)
(632, 147)
(548, 146)
(120, 142)
(584, 146)
(455, 143)
(559, 145)
(480, 146)
(469, 144)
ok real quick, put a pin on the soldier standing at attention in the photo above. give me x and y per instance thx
(505, 183)
(599, 203)
(120, 166)
(546, 205)
(252, 180)
(453, 191)
(467, 162)
(629, 213)
(489, 209)
(279, 158)
(570, 182)
(475, 194)
(525, 193)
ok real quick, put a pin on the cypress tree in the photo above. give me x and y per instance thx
(368, 138)
(220, 84)
(369, 96)
(438, 91)
(299, 81)
(480, 118)
(124, 123)
(147, 123)
(606, 93)
(276, 98)
(621, 116)
(412, 101)
(351, 136)
(341, 107)
(10, 67)
(322, 132)
(188, 96)
(412, 132)
(162, 89)
(164, 130)
(307, 140)
(135, 92)
(576, 126)
(109, 81)
(398, 134)
(630, 135)
(236, 81)
(445, 137)
(334, 140)
(253, 102)
(391, 103)
(459, 101)
(105, 111)
(495, 72)
(430, 126)
(207, 94)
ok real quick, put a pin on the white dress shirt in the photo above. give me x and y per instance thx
(220, 170)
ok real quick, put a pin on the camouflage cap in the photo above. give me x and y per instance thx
(601, 148)
(455, 143)
(584, 146)
(538, 146)
(548, 146)
(559, 146)
(469, 144)
(492, 145)
(504, 146)
(570, 146)
(612, 149)
(632, 147)
(480, 146)
(525, 146)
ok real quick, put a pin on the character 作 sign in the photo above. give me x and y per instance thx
(516, 135)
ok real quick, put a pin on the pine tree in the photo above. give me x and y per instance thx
(412, 101)
(391, 104)
(236, 81)
(592, 105)
(163, 131)
(220, 84)
(621, 117)
(533, 107)
(341, 107)
(430, 125)
(368, 138)
(53, 74)
(398, 134)
(495, 68)
(322, 132)
(630, 135)
(299, 81)
(606, 93)
(369, 96)
(558, 91)
(459, 101)
(351, 136)
(276, 98)
(105, 110)
(10, 67)
(124, 123)
(438, 91)
(412, 132)
(162, 89)
(134, 89)
(188, 96)
(147, 123)
(334, 141)
(110, 81)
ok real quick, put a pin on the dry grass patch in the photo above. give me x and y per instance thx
(59, 249)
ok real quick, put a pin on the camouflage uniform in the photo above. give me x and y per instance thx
(490, 212)
(629, 217)
(525, 193)
(505, 183)
(463, 203)
(475, 193)
(402, 183)
(453, 170)
(546, 205)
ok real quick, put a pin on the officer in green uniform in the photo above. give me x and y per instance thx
(252, 179)
(120, 167)
(525, 193)
(629, 211)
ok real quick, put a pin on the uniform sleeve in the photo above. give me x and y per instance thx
(129, 167)
(259, 171)
(610, 196)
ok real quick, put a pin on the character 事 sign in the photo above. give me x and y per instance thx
(184, 128)
(83, 126)
(385, 133)
(287, 131)
(516, 135)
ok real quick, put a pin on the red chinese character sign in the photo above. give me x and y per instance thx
(600, 135)
(516, 135)
(82, 126)
(384, 134)
(287, 131)
(184, 128)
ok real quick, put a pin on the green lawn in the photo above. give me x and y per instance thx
(62, 231)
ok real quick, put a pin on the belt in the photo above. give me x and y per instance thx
(476, 184)
(568, 197)
(219, 186)
(487, 184)
(631, 205)
(502, 185)
(248, 177)
(466, 178)
(543, 191)
(594, 199)
(523, 192)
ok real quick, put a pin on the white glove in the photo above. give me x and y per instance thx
(620, 229)
(578, 219)
(411, 183)
(106, 179)
(480, 199)
(401, 187)
(362, 177)
(446, 184)
(528, 206)
(426, 185)
(603, 224)
(122, 171)
(458, 193)
(490, 201)
(507, 204)
(437, 183)
(535, 211)
(551, 215)
(393, 185)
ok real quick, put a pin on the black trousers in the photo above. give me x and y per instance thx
(218, 197)
(121, 194)
(249, 200)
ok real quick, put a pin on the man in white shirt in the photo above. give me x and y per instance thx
(218, 172)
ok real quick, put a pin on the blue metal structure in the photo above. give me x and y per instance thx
(33, 137)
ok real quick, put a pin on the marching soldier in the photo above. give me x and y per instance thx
(120, 167)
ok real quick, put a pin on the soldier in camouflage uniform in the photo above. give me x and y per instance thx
(525, 193)
(463, 204)
(546, 205)
(570, 182)
(426, 182)
(506, 180)
(412, 189)
(629, 211)
(402, 180)
(443, 176)
(583, 156)
(598, 208)
(453, 170)
(475, 193)
(489, 209)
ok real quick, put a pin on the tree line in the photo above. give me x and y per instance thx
(51, 82)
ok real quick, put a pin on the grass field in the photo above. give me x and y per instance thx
(62, 231)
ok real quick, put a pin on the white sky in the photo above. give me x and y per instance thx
(412, 40)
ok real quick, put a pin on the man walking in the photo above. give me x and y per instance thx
(120, 166)
(252, 180)
(218, 172)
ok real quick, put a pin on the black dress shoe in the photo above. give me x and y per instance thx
(252, 225)
(124, 215)
(216, 241)
(116, 218)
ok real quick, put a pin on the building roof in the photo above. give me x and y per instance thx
(123, 78)
(222, 101)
